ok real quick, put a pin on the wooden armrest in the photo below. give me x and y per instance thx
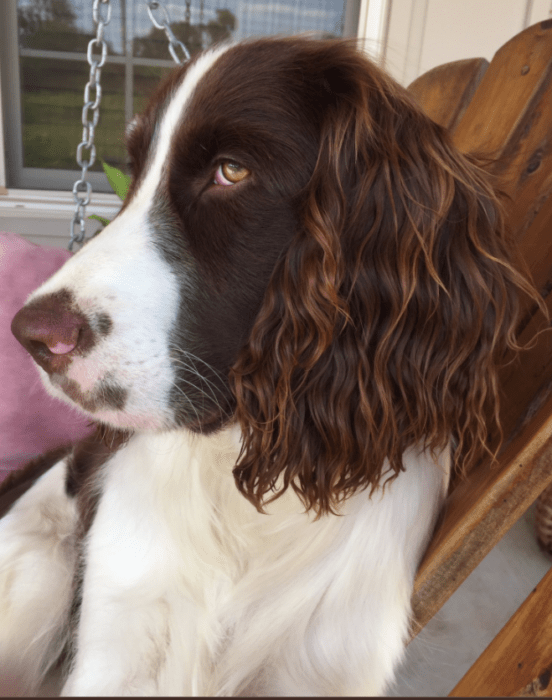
(480, 511)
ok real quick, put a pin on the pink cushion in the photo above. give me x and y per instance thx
(31, 421)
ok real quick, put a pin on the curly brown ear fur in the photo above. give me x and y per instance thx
(386, 320)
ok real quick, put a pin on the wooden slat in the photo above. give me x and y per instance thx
(445, 92)
(519, 659)
(480, 511)
(510, 83)
(510, 118)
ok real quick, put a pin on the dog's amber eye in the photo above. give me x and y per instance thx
(229, 173)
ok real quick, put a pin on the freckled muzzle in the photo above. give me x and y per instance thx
(55, 332)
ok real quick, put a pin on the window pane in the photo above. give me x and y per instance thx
(64, 25)
(209, 23)
(52, 103)
(146, 79)
(53, 37)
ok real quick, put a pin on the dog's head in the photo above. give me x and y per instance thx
(301, 248)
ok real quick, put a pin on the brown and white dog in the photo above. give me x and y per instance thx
(303, 300)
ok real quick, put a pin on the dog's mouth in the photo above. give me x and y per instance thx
(107, 394)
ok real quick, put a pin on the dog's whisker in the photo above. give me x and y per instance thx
(201, 392)
(188, 400)
(209, 384)
(198, 388)
(192, 356)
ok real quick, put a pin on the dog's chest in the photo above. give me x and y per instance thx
(171, 521)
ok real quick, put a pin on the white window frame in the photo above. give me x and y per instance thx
(3, 189)
(59, 204)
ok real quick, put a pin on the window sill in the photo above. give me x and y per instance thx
(43, 216)
(51, 204)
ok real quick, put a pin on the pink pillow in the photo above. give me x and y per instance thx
(31, 421)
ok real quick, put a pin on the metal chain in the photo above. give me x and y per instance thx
(201, 25)
(82, 189)
(164, 24)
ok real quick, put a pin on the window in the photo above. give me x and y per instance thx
(43, 47)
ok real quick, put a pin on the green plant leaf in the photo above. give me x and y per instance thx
(101, 219)
(117, 179)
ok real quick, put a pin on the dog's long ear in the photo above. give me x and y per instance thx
(384, 323)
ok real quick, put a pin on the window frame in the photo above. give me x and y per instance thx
(21, 177)
(31, 180)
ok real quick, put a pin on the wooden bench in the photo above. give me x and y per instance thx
(503, 110)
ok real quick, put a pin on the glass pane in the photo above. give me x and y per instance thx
(237, 19)
(53, 39)
(64, 25)
(146, 79)
(52, 103)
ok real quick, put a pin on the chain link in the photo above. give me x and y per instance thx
(201, 24)
(82, 189)
(164, 24)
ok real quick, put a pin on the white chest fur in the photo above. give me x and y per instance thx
(189, 590)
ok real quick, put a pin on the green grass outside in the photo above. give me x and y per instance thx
(52, 130)
(52, 127)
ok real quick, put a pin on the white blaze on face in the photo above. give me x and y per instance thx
(120, 273)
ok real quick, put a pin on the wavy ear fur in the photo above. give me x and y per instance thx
(384, 323)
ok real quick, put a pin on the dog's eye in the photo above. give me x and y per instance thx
(229, 173)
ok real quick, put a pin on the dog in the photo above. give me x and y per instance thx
(288, 338)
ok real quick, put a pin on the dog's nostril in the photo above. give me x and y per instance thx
(61, 348)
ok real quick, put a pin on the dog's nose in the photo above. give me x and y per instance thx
(50, 330)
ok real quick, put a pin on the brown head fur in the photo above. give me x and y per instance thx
(387, 318)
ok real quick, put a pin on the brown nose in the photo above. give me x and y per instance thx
(51, 331)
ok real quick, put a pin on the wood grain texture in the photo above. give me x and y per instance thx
(536, 247)
(525, 67)
(518, 662)
(480, 511)
(510, 87)
(510, 120)
(445, 92)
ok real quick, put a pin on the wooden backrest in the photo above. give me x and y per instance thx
(503, 110)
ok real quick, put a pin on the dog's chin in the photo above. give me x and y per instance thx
(105, 404)
(102, 404)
